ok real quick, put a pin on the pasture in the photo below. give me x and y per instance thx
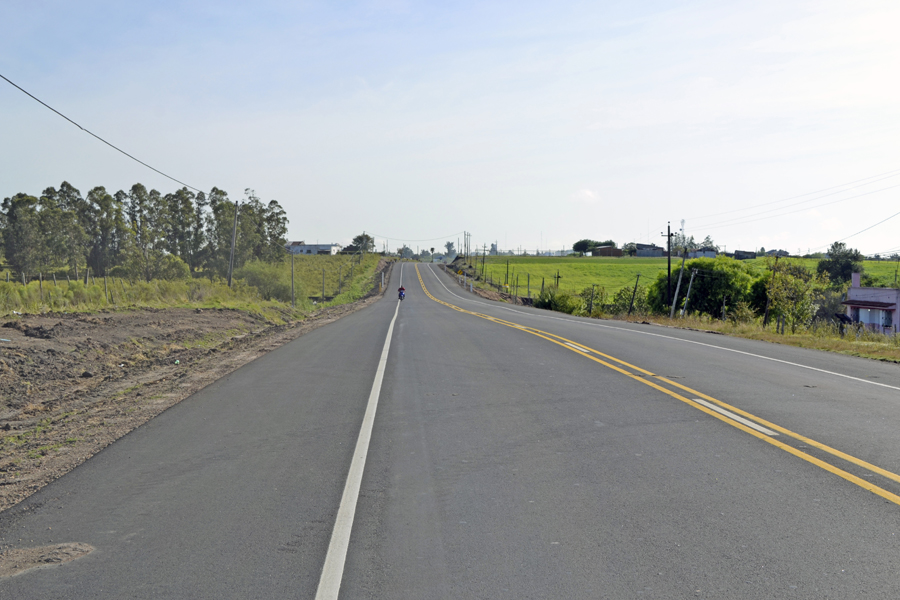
(612, 274)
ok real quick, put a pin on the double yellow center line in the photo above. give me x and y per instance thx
(751, 424)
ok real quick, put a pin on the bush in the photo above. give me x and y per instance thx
(552, 299)
(621, 301)
(271, 280)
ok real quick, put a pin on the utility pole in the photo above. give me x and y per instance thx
(591, 304)
(669, 253)
(769, 292)
(633, 294)
(687, 296)
(678, 287)
(237, 208)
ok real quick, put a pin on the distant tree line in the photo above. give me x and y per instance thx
(138, 234)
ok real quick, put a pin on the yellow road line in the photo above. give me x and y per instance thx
(588, 353)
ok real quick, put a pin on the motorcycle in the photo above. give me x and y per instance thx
(402, 295)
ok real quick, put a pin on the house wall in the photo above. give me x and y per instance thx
(874, 317)
(311, 249)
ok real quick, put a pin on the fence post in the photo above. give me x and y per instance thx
(292, 279)
(591, 304)
(323, 284)
(105, 289)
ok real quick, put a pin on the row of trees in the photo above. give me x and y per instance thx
(138, 234)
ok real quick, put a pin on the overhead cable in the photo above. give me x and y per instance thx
(733, 222)
(97, 136)
(876, 178)
(397, 239)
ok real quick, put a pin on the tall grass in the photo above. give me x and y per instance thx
(263, 288)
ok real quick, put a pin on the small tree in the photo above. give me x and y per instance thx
(795, 294)
(363, 242)
(841, 263)
(583, 246)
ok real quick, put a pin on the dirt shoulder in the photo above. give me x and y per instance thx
(71, 384)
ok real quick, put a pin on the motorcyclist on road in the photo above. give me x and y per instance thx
(401, 292)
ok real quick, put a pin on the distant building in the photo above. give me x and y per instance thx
(877, 309)
(778, 253)
(304, 248)
(702, 253)
(744, 255)
(649, 251)
(606, 251)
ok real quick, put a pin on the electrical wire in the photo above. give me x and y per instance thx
(387, 237)
(868, 228)
(883, 176)
(96, 136)
(743, 222)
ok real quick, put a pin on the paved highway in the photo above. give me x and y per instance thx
(450, 447)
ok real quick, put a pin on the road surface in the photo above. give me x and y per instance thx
(451, 447)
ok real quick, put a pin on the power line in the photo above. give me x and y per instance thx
(97, 136)
(864, 230)
(883, 176)
(396, 239)
(733, 222)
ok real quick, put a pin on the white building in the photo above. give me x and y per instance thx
(304, 248)
(877, 309)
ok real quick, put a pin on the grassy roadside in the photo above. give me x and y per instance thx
(264, 291)
(863, 344)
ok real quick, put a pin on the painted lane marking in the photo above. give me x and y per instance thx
(333, 569)
(576, 321)
(731, 415)
(560, 341)
(759, 420)
(579, 348)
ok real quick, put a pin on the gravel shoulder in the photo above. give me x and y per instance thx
(71, 384)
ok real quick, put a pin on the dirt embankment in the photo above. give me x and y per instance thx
(71, 384)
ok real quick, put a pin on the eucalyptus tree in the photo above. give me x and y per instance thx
(22, 237)
(105, 226)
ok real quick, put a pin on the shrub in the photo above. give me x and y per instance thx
(552, 299)
(271, 280)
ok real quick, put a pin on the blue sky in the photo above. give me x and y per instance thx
(532, 124)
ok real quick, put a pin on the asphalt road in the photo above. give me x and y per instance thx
(515, 453)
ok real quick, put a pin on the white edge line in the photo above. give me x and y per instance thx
(734, 417)
(668, 337)
(333, 569)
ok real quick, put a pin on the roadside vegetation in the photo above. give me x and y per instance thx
(788, 300)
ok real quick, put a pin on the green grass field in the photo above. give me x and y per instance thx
(613, 274)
